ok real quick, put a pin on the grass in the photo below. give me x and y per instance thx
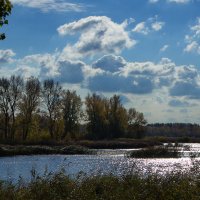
(172, 186)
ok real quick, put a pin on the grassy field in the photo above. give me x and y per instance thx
(173, 186)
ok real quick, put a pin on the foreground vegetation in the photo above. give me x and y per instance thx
(172, 186)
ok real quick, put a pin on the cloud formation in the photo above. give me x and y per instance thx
(98, 35)
(149, 26)
(179, 1)
(6, 55)
(171, 1)
(50, 5)
(192, 39)
(164, 48)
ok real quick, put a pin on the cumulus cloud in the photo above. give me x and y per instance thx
(98, 35)
(148, 26)
(110, 63)
(70, 72)
(108, 82)
(144, 77)
(50, 5)
(6, 56)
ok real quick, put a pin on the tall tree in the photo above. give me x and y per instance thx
(136, 123)
(97, 110)
(51, 95)
(118, 117)
(29, 103)
(71, 112)
(15, 91)
(5, 11)
(4, 104)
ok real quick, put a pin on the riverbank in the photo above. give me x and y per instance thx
(10, 150)
(84, 146)
(71, 147)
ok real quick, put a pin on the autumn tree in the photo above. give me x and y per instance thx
(5, 11)
(97, 111)
(51, 96)
(29, 103)
(72, 111)
(136, 123)
(15, 91)
(117, 117)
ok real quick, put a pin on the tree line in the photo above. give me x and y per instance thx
(31, 108)
(173, 130)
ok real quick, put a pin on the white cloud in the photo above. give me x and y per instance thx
(192, 47)
(110, 63)
(157, 25)
(179, 1)
(153, 1)
(141, 28)
(148, 26)
(6, 55)
(98, 35)
(50, 5)
(164, 48)
(193, 39)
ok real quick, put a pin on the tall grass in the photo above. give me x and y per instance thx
(177, 186)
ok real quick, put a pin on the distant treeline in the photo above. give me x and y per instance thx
(173, 130)
(35, 110)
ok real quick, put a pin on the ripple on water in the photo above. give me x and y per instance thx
(118, 164)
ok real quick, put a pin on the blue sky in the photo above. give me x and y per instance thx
(147, 51)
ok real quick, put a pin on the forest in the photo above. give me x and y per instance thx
(31, 110)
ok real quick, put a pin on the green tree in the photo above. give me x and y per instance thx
(72, 111)
(5, 11)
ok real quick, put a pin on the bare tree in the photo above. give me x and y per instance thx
(29, 103)
(51, 96)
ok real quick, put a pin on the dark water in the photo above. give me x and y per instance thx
(106, 162)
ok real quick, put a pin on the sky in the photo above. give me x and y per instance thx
(146, 51)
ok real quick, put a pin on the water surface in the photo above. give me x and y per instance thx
(105, 162)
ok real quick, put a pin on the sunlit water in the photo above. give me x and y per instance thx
(105, 162)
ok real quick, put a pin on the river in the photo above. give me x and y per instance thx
(105, 162)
